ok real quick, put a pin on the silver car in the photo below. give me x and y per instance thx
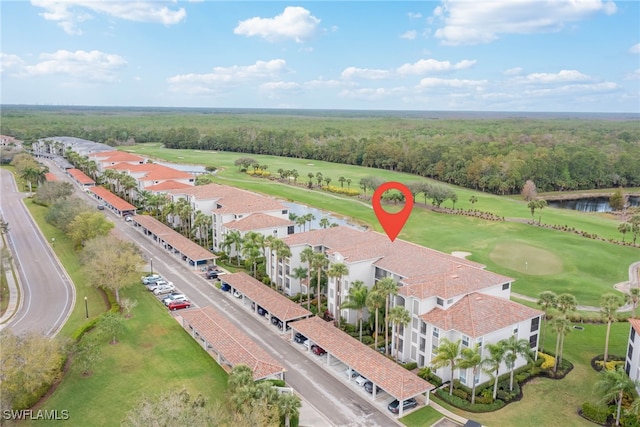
(164, 289)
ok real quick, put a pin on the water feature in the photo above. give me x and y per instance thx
(299, 210)
(590, 204)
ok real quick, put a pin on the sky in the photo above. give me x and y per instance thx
(450, 55)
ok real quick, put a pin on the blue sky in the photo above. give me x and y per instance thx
(507, 55)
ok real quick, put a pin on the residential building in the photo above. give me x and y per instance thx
(446, 296)
(104, 159)
(632, 363)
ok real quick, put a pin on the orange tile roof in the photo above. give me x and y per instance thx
(187, 247)
(478, 314)
(230, 342)
(233, 200)
(275, 303)
(257, 221)
(635, 324)
(167, 185)
(50, 177)
(154, 171)
(112, 199)
(80, 176)
(391, 377)
(117, 156)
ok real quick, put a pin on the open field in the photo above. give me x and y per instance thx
(588, 268)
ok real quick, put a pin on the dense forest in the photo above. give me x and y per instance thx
(494, 154)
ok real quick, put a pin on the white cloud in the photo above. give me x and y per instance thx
(414, 15)
(325, 84)
(409, 35)
(476, 22)
(634, 75)
(574, 90)
(425, 66)
(513, 71)
(364, 73)
(434, 82)
(69, 13)
(372, 94)
(559, 77)
(93, 66)
(288, 86)
(10, 63)
(635, 48)
(295, 23)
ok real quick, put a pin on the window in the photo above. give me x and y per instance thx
(290, 229)
(413, 353)
(414, 323)
(465, 341)
(285, 211)
(533, 341)
(633, 334)
(505, 287)
(627, 368)
(416, 307)
(421, 361)
(630, 352)
(450, 301)
(535, 324)
(414, 338)
(436, 332)
(423, 342)
(515, 331)
(440, 302)
(423, 328)
(479, 343)
(463, 376)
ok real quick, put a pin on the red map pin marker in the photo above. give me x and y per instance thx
(392, 222)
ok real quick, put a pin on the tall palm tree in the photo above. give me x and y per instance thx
(496, 357)
(301, 273)
(633, 298)
(289, 405)
(624, 228)
(612, 385)
(470, 358)
(309, 217)
(375, 302)
(251, 250)
(301, 222)
(566, 303)
(562, 326)
(357, 300)
(515, 348)
(389, 288)
(447, 354)
(399, 316)
(324, 222)
(609, 305)
(337, 270)
(282, 252)
(306, 256)
(232, 239)
(546, 301)
(318, 263)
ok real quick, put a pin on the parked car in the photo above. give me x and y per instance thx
(306, 343)
(407, 404)
(177, 305)
(212, 274)
(277, 322)
(262, 311)
(174, 297)
(152, 278)
(100, 207)
(352, 372)
(237, 294)
(368, 387)
(318, 350)
(152, 286)
(299, 338)
(164, 289)
(225, 287)
(360, 380)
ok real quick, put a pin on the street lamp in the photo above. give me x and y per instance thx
(53, 241)
(151, 261)
(86, 307)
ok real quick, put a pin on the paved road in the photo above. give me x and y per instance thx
(339, 404)
(47, 293)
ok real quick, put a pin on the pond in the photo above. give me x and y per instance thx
(590, 204)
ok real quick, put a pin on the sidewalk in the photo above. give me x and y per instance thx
(14, 295)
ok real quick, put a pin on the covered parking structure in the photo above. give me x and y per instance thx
(381, 371)
(119, 206)
(228, 344)
(276, 304)
(173, 241)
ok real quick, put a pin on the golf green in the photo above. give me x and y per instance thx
(526, 259)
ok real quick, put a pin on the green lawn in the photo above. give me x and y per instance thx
(585, 267)
(154, 355)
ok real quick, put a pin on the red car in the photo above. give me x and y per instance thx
(176, 305)
(318, 350)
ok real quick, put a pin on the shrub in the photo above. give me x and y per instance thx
(410, 366)
(548, 361)
(594, 413)
(367, 340)
(466, 405)
(341, 190)
(461, 393)
(84, 328)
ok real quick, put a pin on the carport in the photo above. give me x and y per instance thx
(116, 204)
(228, 344)
(381, 371)
(275, 303)
(173, 241)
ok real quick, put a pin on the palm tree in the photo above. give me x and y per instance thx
(624, 228)
(566, 302)
(341, 180)
(496, 357)
(309, 218)
(357, 300)
(282, 251)
(318, 263)
(324, 222)
(375, 301)
(301, 273)
(389, 288)
(546, 300)
(633, 298)
(513, 349)
(609, 305)
(301, 222)
(232, 239)
(306, 256)
(471, 359)
(399, 316)
(289, 405)
(447, 354)
(337, 270)
(612, 385)
(562, 326)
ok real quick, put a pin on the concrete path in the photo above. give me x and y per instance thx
(14, 294)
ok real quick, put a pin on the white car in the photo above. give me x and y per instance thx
(174, 297)
(164, 289)
(237, 294)
(152, 286)
(361, 380)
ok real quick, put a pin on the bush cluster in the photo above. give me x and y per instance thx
(461, 403)
(341, 190)
(548, 361)
(594, 413)
(410, 366)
